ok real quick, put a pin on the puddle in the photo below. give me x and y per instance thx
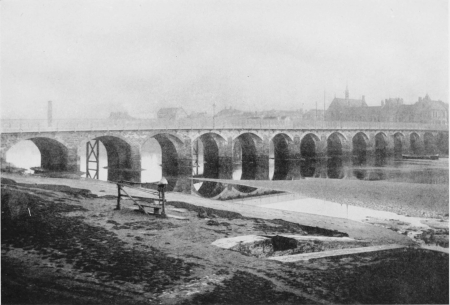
(430, 232)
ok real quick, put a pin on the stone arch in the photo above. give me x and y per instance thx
(120, 159)
(442, 142)
(170, 160)
(360, 145)
(381, 145)
(429, 143)
(335, 144)
(280, 154)
(399, 143)
(123, 156)
(308, 145)
(248, 150)
(54, 154)
(335, 147)
(255, 135)
(415, 143)
(172, 136)
(285, 135)
(208, 149)
(309, 154)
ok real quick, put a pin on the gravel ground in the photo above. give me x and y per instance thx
(62, 245)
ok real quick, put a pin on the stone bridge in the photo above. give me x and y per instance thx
(61, 150)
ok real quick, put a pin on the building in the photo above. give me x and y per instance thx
(347, 109)
(430, 111)
(425, 110)
(173, 113)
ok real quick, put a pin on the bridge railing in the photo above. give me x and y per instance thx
(202, 123)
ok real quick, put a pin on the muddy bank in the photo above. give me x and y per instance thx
(413, 199)
(267, 226)
(75, 248)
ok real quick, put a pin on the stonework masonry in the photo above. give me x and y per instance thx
(61, 151)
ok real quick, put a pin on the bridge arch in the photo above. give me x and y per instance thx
(442, 142)
(122, 157)
(429, 143)
(207, 152)
(161, 153)
(172, 136)
(381, 144)
(415, 145)
(285, 135)
(249, 154)
(308, 145)
(54, 155)
(309, 153)
(399, 143)
(255, 135)
(279, 155)
(335, 143)
(360, 144)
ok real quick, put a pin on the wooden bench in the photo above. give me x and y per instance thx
(157, 209)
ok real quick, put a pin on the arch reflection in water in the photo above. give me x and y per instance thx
(399, 138)
(309, 162)
(245, 160)
(206, 164)
(359, 155)
(335, 169)
(279, 162)
(308, 167)
(360, 143)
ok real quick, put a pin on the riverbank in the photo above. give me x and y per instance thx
(64, 245)
(411, 199)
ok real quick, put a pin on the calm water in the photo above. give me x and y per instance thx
(26, 155)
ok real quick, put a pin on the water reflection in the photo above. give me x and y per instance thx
(179, 173)
(308, 167)
(335, 169)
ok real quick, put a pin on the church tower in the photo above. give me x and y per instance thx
(346, 93)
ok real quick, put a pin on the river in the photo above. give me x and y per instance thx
(26, 155)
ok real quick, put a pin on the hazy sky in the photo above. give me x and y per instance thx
(93, 57)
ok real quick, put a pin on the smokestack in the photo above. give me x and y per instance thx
(49, 114)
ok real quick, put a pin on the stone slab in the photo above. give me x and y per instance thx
(312, 237)
(332, 253)
(227, 243)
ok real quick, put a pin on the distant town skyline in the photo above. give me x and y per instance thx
(93, 58)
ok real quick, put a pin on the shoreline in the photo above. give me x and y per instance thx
(63, 245)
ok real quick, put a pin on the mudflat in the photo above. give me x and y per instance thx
(413, 199)
(65, 245)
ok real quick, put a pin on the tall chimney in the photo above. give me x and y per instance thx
(49, 114)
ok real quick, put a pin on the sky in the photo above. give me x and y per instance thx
(93, 57)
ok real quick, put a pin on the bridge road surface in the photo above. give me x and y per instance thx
(357, 230)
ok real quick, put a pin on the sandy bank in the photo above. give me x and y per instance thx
(413, 199)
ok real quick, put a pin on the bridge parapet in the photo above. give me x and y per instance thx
(17, 126)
